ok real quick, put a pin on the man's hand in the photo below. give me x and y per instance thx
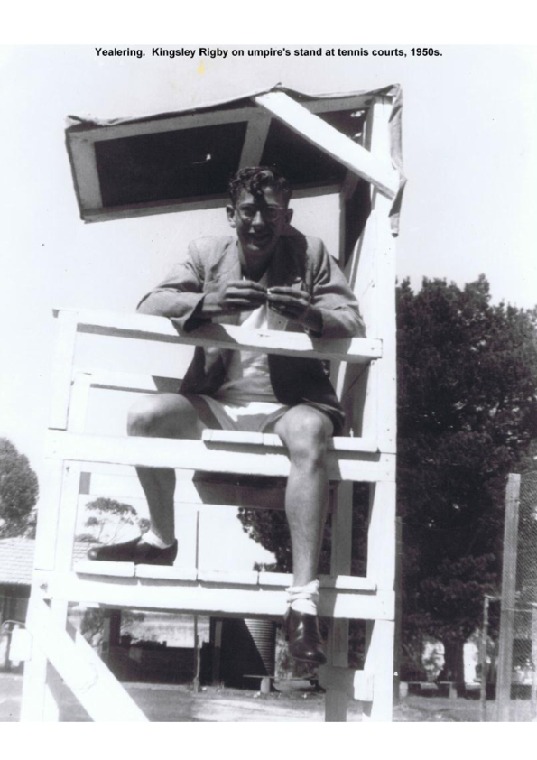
(294, 305)
(238, 295)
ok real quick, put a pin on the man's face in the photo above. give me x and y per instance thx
(259, 221)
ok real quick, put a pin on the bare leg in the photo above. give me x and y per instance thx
(162, 416)
(306, 432)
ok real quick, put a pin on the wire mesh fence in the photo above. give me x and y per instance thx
(524, 645)
(516, 684)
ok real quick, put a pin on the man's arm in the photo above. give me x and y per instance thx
(187, 298)
(328, 308)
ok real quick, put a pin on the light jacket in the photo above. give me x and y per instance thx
(299, 262)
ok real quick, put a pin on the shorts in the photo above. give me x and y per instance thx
(251, 416)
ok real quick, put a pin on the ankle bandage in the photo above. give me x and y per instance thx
(304, 598)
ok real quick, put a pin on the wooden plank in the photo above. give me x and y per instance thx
(355, 684)
(340, 564)
(339, 443)
(124, 381)
(154, 125)
(254, 140)
(207, 598)
(68, 516)
(323, 135)
(38, 701)
(225, 578)
(61, 369)
(97, 690)
(197, 455)
(381, 542)
(146, 326)
(109, 569)
(193, 492)
(379, 663)
(242, 578)
(49, 515)
(84, 165)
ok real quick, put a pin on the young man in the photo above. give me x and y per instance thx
(267, 275)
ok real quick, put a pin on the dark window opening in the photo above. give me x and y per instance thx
(167, 166)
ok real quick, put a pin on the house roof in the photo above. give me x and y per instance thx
(17, 557)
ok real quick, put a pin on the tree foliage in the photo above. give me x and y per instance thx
(19, 490)
(108, 519)
(467, 413)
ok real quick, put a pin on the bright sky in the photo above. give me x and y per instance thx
(470, 158)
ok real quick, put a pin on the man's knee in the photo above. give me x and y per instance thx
(307, 436)
(144, 418)
(163, 416)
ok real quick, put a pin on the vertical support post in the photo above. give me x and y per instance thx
(398, 637)
(381, 567)
(534, 660)
(483, 658)
(507, 615)
(38, 702)
(336, 701)
(111, 633)
(196, 680)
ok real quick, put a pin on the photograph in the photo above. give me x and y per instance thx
(268, 400)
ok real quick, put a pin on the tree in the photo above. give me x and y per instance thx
(107, 519)
(19, 490)
(467, 411)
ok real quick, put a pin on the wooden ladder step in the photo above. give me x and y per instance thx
(208, 592)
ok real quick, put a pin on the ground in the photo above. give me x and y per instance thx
(165, 703)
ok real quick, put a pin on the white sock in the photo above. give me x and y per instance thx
(151, 538)
(304, 599)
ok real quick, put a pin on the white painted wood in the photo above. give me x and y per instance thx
(204, 597)
(191, 204)
(146, 326)
(164, 572)
(355, 684)
(339, 443)
(49, 515)
(82, 155)
(91, 682)
(179, 574)
(340, 563)
(244, 578)
(381, 535)
(68, 512)
(190, 493)
(254, 142)
(342, 148)
(125, 381)
(198, 455)
(379, 663)
(61, 369)
(153, 126)
(107, 569)
(38, 703)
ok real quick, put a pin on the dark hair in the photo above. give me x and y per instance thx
(254, 179)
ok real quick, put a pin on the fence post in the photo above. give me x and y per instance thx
(507, 615)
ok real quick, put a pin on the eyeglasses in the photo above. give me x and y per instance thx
(269, 213)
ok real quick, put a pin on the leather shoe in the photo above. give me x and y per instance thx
(302, 633)
(136, 551)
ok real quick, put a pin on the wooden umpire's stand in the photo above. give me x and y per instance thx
(345, 144)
